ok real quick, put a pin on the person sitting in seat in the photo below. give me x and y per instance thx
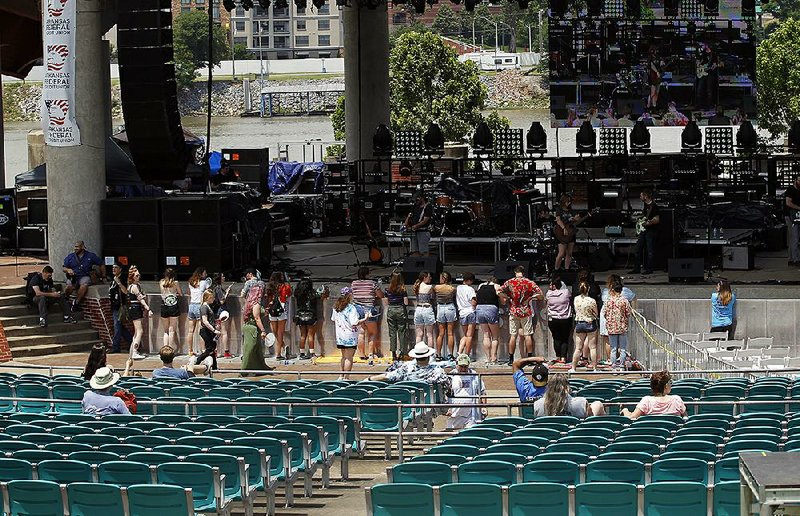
(661, 402)
(533, 389)
(557, 401)
(99, 401)
(167, 355)
(420, 369)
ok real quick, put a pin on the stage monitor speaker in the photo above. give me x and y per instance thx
(252, 165)
(37, 211)
(738, 258)
(776, 238)
(505, 270)
(131, 211)
(413, 265)
(185, 260)
(601, 259)
(686, 269)
(32, 238)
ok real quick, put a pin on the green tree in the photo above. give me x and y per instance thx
(447, 22)
(478, 23)
(190, 36)
(405, 29)
(779, 77)
(240, 53)
(337, 120)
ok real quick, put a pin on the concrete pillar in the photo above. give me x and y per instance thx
(366, 76)
(76, 178)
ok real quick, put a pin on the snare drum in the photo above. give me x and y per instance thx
(444, 201)
(480, 209)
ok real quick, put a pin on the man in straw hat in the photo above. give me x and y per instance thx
(99, 401)
(420, 369)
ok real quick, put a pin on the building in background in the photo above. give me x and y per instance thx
(220, 15)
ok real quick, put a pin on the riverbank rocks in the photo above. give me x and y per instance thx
(513, 89)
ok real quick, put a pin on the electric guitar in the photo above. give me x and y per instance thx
(375, 253)
(564, 234)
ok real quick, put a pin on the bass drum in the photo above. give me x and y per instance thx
(457, 221)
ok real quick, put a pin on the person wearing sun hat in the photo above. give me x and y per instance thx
(99, 401)
(533, 389)
(420, 369)
(468, 388)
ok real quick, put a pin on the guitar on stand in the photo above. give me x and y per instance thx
(374, 253)
(566, 234)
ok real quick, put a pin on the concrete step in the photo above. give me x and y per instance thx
(53, 338)
(24, 310)
(10, 290)
(55, 327)
(12, 299)
(52, 349)
(32, 319)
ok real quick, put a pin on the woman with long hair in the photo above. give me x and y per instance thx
(723, 303)
(446, 315)
(199, 282)
(618, 311)
(613, 279)
(424, 315)
(345, 317)
(557, 401)
(585, 327)
(220, 306)
(466, 301)
(489, 297)
(253, 330)
(137, 308)
(208, 329)
(306, 316)
(559, 317)
(277, 293)
(397, 316)
(97, 359)
(170, 293)
(565, 219)
(366, 293)
(661, 401)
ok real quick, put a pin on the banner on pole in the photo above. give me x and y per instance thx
(58, 88)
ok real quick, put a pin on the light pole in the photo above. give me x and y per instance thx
(496, 35)
(540, 32)
(233, 50)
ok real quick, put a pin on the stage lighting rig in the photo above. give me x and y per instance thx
(433, 140)
(483, 140)
(746, 137)
(536, 139)
(382, 141)
(691, 138)
(229, 5)
(640, 138)
(586, 139)
(405, 168)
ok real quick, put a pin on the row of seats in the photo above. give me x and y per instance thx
(42, 497)
(598, 499)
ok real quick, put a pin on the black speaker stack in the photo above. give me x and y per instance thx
(251, 166)
(413, 265)
(132, 233)
(148, 90)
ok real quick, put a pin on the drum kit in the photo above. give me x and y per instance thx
(458, 218)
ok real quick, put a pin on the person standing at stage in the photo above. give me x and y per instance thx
(277, 296)
(618, 311)
(489, 297)
(78, 266)
(791, 201)
(199, 282)
(520, 292)
(116, 290)
(585, 328)
(137, 308)
(418, 223)
(208, 329)
(654, 72)
(424, 314)
(466, 303)
(559, 317)
(221, 306)
(366, 293)
(627, 293)
(305, 317)
(347, 319)
(723, 303)
(170, 293)
(648, 224)
(253, 330)
(397, 316)
(446, 315)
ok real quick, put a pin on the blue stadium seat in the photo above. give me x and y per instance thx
(400, 500)
(606, 499)
(470, 499)
(89, 499)
(671, 498)
(538, 498)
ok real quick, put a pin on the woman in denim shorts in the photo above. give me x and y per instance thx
(424, 317)
(487, 315)
(446, 315)
(585, 328)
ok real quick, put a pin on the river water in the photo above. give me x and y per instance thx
(233, 132)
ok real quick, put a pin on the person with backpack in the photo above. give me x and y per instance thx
(277, 294)
(42, 293)
(118, 298)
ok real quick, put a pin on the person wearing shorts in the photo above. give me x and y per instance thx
(586, 315)
(520, 291)
(487, 315)
(346, 322)
(466, 302)
(424, 315)
(78, 266)
(366, 292)
(446, 315)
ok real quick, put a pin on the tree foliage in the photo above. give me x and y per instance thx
(190, 44)
(779, 77)
(429, 84)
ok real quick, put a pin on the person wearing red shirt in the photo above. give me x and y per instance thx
(521, 291)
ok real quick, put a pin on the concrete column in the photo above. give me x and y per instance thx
(76, 178)
(366, 76)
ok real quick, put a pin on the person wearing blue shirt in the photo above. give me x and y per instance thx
(78, 268)
(722, 308)
(533, 389)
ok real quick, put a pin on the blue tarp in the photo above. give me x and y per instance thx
(285, 176)
(214, 162)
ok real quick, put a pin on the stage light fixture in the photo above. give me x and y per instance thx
(794, 137)
(691, 138)
(405, 168)
(746, 137)
(229, 5)
(640, 138)
(433, 140)
(536, 139)
(247, 4)
(482, 140)
(507, 167)
(716, 194)
(586, 139)
(382, 141)
(419, 6)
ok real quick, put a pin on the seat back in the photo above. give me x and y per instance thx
(400, 499)
(488, 471)
(629, 471)
(154, 500)
(152, 458)
(470, 499)
(680, 470)
(726, 498)
(15, 469)
(89, 499)
(422, 472)
(123, 473)
(538, 498)
(670, 498)
(606, 499)
(228, 465)
(34, 498)
(553, 471)
(64, 471)
(198, 477)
